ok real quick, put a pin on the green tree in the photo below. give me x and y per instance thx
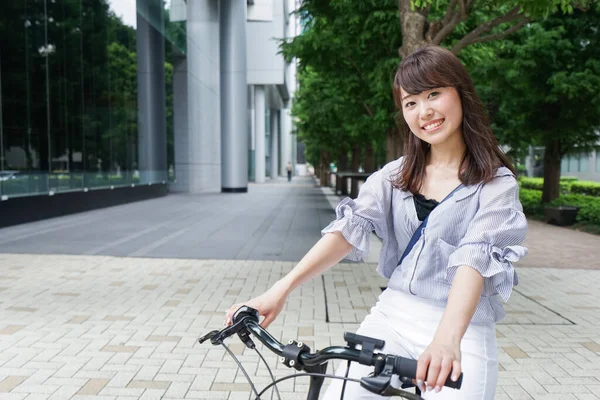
(340, 38)
(122, 97)
(460, 23)
(545, 89)
(347, 56)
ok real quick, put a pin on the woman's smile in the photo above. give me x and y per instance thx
(434, 125)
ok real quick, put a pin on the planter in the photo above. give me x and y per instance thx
(560, 215)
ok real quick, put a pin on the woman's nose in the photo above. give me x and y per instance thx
(426, 112)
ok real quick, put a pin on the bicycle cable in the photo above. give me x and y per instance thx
(344, 384)
(243, 369)
(396, 392)
(270, 373)
(377, 382)
(304, 374)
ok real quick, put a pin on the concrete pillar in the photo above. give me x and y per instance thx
(180, 125)
(152, 125)
(274, 143)
(198, 143)
(530, 161)
(234, 101)
(259, 119)
(286, 140)
(251, 133)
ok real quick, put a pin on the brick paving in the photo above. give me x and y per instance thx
(557, 247)
(104, 327)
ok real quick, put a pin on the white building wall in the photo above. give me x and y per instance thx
(265, 66)
(585, 166)
(178, 11)
(198, 137)
(261, 10)
(287, 148)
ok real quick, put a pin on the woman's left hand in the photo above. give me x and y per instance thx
(436, 363)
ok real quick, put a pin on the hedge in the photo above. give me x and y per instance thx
(538, 184)
(586, 188)
(569, 178)
(589, 207)
(532, 202)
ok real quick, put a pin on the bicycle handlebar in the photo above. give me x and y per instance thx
(402, 366)
(245, 320)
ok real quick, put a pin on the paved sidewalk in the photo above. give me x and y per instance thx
(97, 327)
(272, 221)
(104, 327)
(557, 247)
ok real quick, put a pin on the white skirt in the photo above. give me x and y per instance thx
(407, 324)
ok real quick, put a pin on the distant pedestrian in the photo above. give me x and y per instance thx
(289, 171)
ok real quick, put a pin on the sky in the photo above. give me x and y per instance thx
(126, 10)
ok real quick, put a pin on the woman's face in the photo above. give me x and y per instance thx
(433, 115)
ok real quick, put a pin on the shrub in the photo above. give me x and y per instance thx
(521, 169)
(589, 207)
(538, 184)
(532, 183)
(569, 178)
(587, 188)
(532, 202)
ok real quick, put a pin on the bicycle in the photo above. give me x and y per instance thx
(297, 355)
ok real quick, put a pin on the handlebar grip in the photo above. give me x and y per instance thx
(406, 367)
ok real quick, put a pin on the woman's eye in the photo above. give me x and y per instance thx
(409, 104)
(433, 94)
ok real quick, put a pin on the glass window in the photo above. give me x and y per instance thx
(584, 162)
(564, 165)
(573, 163)
(68, 93)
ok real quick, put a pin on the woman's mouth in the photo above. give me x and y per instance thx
(433, 125)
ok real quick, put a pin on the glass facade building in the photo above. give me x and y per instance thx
(86, 94)
(104, 102)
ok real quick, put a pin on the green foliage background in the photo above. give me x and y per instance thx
(347, 55)
(534, 82)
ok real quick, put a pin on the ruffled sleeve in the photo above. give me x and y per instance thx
(494, 237)
(356, 219)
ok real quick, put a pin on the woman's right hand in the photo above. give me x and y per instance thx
(269, 305)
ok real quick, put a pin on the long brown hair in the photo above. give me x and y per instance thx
(433, 67)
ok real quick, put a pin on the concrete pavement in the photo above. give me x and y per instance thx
(273, 221)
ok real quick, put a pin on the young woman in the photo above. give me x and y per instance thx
(445, 295)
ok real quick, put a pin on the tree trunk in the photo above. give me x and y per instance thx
(324, 169)
(394, 144)
(344, 163)
(319, 167)
(413, 25)
(552, 156)
(355, 158)
(369, 164)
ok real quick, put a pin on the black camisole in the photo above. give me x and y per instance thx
(424, 206)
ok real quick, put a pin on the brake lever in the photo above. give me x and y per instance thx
(392, 391)
(217, 337)
(209, 335)
(231, 330)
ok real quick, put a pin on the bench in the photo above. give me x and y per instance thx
(341, 182)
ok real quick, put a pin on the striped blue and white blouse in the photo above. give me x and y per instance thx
(481, 226)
